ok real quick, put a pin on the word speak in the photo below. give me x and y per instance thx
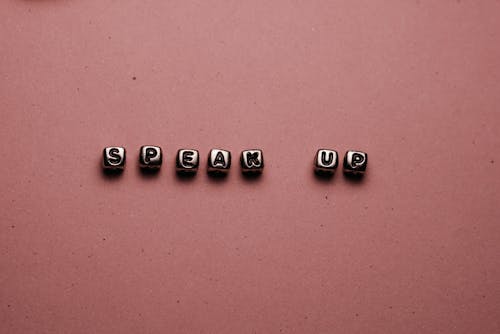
(187, 160)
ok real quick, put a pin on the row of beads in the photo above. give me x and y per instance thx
(187, 160)
(219, 161)
(326, 162)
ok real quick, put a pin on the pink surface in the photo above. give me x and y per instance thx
(414, 248)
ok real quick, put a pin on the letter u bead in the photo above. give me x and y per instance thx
(326, 162)
(150, 157)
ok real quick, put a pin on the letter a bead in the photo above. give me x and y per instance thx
(219, 161)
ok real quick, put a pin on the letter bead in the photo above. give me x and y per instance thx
(113, 158)
(326, 162)
(219, 161)
(150, 157)
(355, 162)
(252, 161)
(187, 161)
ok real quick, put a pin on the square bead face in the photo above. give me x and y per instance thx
(355, 162)
(113, 158)
(219, 161)
(150, 157)
(252, 161)
(187, 161)
(326, 161)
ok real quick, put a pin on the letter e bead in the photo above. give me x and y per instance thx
(187, 161)
(150, 157)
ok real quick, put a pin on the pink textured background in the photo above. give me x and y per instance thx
(414, 248)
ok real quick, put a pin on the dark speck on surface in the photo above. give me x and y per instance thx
(134, 78)
(492, 161)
